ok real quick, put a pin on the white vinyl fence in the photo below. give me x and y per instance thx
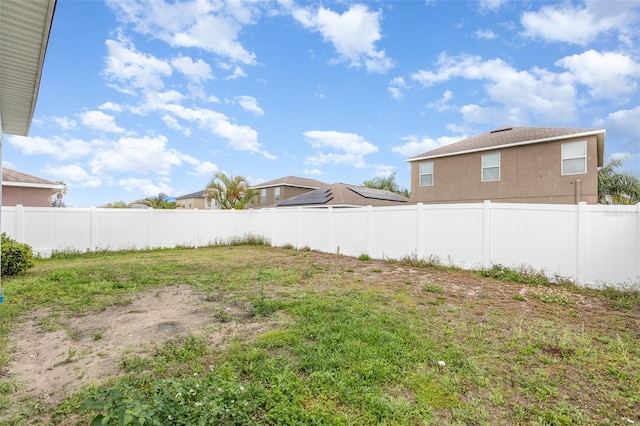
(590, 244)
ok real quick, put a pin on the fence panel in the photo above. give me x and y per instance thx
(589, 244)
(543, 237)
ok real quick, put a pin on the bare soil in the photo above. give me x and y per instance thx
(53, 364)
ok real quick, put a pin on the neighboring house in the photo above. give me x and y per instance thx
(196, 200)
(514, 165)
(27, 190)
(274, 191)
(343, 195)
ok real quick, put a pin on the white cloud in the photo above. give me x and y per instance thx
(547, 96)
(442, 103)
(204, 24)
(608, 75)
(205, 168)
(249, 104)
(148, 154)
(623, 124)
(110, 106)
(575, 24)
(383, 170)
(353, 34)
(492, 5)
(98, 120)
(312, 172)
(415, 145)
(57, 147)
(351, 148)
(238, 72)
(396, 87)
(485, 34)
(197, 72)
(73, 174)
(241, 138)
(65, 123)
(131, 69)
(145, 186)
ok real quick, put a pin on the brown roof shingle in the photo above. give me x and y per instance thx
(14, 176)
(292, 181)
(507, 136)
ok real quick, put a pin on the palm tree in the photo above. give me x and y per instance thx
(230, 192)
(160, 202)
(616, 187)
(58, 199)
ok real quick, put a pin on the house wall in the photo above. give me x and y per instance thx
(28, 197)
(286, 192)
(191, 203)
(528, 174)
(590, 244)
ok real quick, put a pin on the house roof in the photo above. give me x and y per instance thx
(343, 195)
(15, 178)
(24, 34)
(198, 194)
(293, 181)
(513, 136)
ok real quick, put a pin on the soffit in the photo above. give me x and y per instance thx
(24, 34)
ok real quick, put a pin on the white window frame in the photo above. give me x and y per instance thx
(499, 166)
(263, 195)
(276, 194)
(577, 157)
(428, 173)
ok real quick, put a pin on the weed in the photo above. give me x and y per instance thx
(519, 298)
(376, 270)
(364, 257)
(522, 275)
(433, 288)
(288, 246)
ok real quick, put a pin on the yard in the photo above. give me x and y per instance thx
(251, 334)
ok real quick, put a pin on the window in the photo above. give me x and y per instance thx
(263, 196)
(574, 158)
(277, 194)
(426, 173)
(189, 204)
(491, 167)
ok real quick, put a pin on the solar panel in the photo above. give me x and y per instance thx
(378, 194)
(317, 196)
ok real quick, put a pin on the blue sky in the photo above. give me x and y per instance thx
(139, 98)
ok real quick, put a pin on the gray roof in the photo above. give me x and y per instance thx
(293, 181)
(15, 178)
(511, 136)
(198, 194)
(343, 195)
(24, 35)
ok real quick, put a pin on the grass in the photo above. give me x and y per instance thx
(341, 346)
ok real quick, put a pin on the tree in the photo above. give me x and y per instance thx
(617, 187)
(230, 192)
(160, 202)
(58, 198)
(117, 205)
(388, 184)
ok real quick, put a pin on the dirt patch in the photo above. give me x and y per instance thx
(52, 364)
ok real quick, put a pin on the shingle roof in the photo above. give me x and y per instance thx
(198, 194)
(343, 195)
(510, 136)
(292, 181)
(12, 177)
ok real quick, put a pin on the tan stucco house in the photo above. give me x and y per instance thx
(27, 190)
(513, 165)
(196, 200)
(274, 191)
(341, 195)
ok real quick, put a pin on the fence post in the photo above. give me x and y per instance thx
(486, 235)
(419, 231)
(638, 248)
(196, 225)
(330, 230)
(93, 229)
(149, 213)
(369, 230)
(20, 223)
(581, 243)
(298, 220)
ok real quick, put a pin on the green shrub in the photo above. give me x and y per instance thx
(16, 257)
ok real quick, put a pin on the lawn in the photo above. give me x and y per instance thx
(251, 334)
